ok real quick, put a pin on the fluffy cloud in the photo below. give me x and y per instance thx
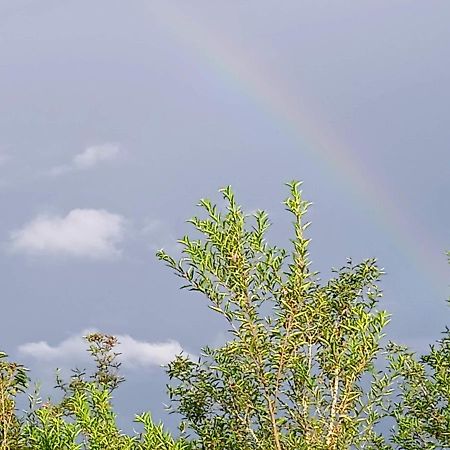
(140, 353)
(89, 158)
(87, 233)
(72, 348)
(134, 353)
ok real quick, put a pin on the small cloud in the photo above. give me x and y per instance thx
(160, 236)
(91, 157)
(95, 155)
(90, 233)
(72, 348)
(140, 353)
(133, 353)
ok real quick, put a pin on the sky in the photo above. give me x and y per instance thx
(117, 117)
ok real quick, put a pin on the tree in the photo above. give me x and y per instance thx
(13, 380)
(84, 419)
(422, 410)
(298, 370)
(303, 367)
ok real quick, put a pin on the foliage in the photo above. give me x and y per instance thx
(13, 380)
(422, 412)
(303, 367)
(84, 419)
(294, 373)
(422, 409)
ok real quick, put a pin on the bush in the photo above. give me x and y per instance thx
(303, 366)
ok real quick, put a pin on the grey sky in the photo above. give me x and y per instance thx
(116, 117)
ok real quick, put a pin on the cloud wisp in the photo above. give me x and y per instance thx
(88, 159)
(82, 233)
(160, 236)
(134, 353)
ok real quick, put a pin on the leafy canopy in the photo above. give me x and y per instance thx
(303, 367)
(298, 370)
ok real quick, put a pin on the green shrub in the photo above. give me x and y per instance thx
(303, 366)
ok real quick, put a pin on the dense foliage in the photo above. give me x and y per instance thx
(84, 417)
(303, 366)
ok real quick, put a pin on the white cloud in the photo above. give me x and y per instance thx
(92, 156)
(134, 353)
(73, 348)
(90, 233)
(141, 353)
(96, 155)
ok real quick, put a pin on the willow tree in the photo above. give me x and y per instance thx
(85, 419)
(298, 368)
(421, 409)
(13, 380)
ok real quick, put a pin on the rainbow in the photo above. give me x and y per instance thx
(234, 67)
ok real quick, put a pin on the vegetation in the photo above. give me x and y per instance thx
(303, 366)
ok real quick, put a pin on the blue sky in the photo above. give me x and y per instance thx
(116, 117)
